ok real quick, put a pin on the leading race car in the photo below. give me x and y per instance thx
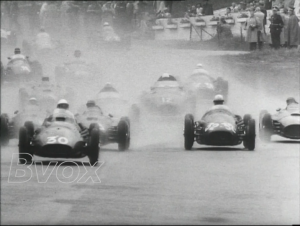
(285, 123)
(59, 139)
(204, 86)
(166, 98)
(112, 129)
(219, 127)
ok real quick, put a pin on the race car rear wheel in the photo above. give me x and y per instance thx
(25, 155)
(246, 120)
(94, 149)
(188, 131)
(266, 128)
(123, 135)
(30, 128)
(4, 131)
(250, 134)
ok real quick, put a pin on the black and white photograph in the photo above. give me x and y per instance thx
(181, 112)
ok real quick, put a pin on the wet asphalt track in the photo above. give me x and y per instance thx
(156, 181)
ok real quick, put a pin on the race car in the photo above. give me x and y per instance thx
(166, 98)
(219, 127)
(8, 37)
(21, 70)
(34, 114)
(59, 139)
(111, 102)
(204, 86)
(112, 129)
(4, 135)
(47, 93)
(285, 123)
(74, 71)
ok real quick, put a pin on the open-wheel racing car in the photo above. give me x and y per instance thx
(46, 93)
(112, 130)
(204, 86)
(219, 127)
(166, 98)
(61, 138)
(286, 123)
(111, 101)
(21, 70)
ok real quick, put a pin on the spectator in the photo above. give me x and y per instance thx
(268, 4)
(199, 10)
(207, 8)
(275, 28)
(228, 12)
(243, 6)
(264, 11)
(285, 17)
(34, 11)
(193, 11)
(108, 13)
(260, 33)
(252, 26)
(234, 8)
(224, 30)
(293, 30)
(13, 14)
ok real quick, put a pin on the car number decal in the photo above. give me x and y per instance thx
(25, 68)
(57, 139)
(228, 126)
(211, 126)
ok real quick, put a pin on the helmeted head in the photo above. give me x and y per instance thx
(218, 100)
(291, 10)
(17, 51)
(275, 9)
(33, 101)
(63, 104)
(91, 103)
(105, 24)
(165, 75)
(77, 53)
(42, 29)
(291, 100)
(199, 66)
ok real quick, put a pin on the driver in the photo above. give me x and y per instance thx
(63, 105)
(91, 104)
(166, 77)
(199, 70)
(43, 40)
(291, 104)
(17, 55)
(32, 105)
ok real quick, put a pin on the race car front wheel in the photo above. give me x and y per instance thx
(4, 131)
(188, 132)
(246, 120)
(30, 128)
(266, 128)
(25, 155)
(93, 153)
(123, 135)
(250, 134)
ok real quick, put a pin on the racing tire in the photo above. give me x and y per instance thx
(94, 149)
(30, 128)
(246, 120)
(188, 131)
(4, 131)
(266, 128)
(123, 135)
(250, 134)
(93, 126)
(25, 156)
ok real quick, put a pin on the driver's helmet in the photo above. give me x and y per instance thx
(105, 24)
(42, 29)
(167, 77)
(77, 53)
(91, 103)
(199, 66)
(33, 101)
(45, 79)
(63, 104)
(108, 88)
(17, 51)
(291, 100)
(218, 100)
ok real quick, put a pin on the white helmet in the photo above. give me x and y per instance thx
(219, 99)
(106, 24)
(165, 75)
(33, 100)
(63, 104)
(199, 66)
